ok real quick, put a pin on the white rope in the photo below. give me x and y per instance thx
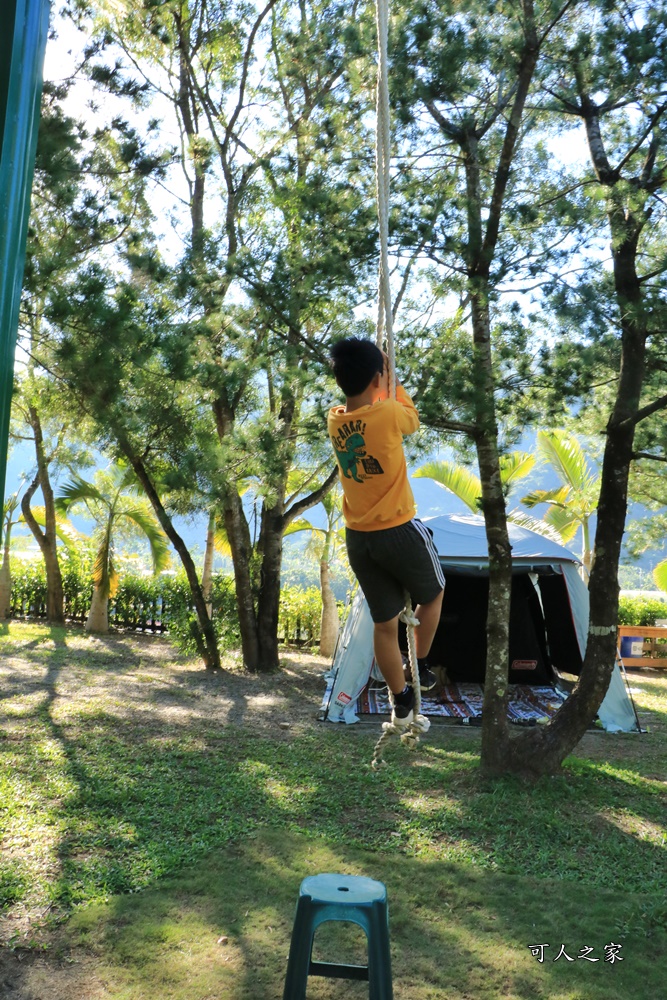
(385, 326)
(385, 333)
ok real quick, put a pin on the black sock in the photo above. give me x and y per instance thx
(403, 698)
(422, 664)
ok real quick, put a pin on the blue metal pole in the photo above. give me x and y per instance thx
(22, 46)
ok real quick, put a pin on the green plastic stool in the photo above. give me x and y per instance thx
(352, 898)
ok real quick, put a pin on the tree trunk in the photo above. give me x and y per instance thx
(480, 252)
(204, 635)
(627, 216)
(555, 741)
(495, 732)
(46, 539)
(240, 543)
(268, 603)
(270, 549)
(187, 107)
(207, 572)
(587, 554)
(6, 576)
(98, 616)
(330, 621)
(259, 629)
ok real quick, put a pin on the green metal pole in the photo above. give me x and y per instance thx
(22, 45)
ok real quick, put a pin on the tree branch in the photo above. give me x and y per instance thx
(552, 24)
(643, 412)
(312, 498)
(650, 159)
(406, 276)
(246, 67)
(457, 426)
(523, 81)
(652, 274)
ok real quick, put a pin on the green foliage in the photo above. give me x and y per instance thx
(279, 233)
(141, 603)
(13, 884)
(640, 610)
(162, 604)
(660, 575)
(113, 504)
(300, 615)
(181, 620)
(458, 480)
(631, 577)
(29, 589)
(466, 485)
(77, 588)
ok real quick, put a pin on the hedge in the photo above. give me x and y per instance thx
(640, 610)
(162, 604)
(300, 615)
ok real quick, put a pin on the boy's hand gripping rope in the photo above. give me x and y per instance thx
(409, 734)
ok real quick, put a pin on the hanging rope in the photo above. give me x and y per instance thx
(385, 326)
(409, 735)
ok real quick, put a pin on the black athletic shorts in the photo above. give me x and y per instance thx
(389, 562)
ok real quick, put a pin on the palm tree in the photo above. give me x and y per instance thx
(8, 522)
(216, 541)
(65, 531)
(660, 575)
(572, 504)
(465, 485)
(113, 504)
(325, 543)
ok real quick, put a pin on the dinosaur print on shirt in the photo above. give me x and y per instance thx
(350, 448)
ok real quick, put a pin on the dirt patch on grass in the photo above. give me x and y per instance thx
(26, 975)
(143, 678)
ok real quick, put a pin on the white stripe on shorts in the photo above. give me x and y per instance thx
(430, 546)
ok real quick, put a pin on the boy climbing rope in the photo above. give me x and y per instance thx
(390, 551)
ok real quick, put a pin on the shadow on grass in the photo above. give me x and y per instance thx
(149, 800)
(109, 814)
(52, 650)
(222, 929)
(151, 795)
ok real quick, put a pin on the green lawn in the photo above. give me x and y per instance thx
(150, 811)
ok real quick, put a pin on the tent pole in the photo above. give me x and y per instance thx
(22, 46)
(624, 673)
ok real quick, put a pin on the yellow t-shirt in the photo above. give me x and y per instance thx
(368, 443)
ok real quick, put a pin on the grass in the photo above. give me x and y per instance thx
(149, 811)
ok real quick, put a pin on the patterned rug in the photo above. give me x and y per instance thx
(464, 701)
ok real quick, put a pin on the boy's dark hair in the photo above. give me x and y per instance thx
(355, 362)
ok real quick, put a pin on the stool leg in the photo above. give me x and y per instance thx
(379, 955)
(301, 946)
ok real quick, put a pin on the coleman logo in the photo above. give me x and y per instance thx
(343, 699)
(524, 664)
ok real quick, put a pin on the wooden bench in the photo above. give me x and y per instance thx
(650, 634)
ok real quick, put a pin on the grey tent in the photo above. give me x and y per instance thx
(548, 622)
